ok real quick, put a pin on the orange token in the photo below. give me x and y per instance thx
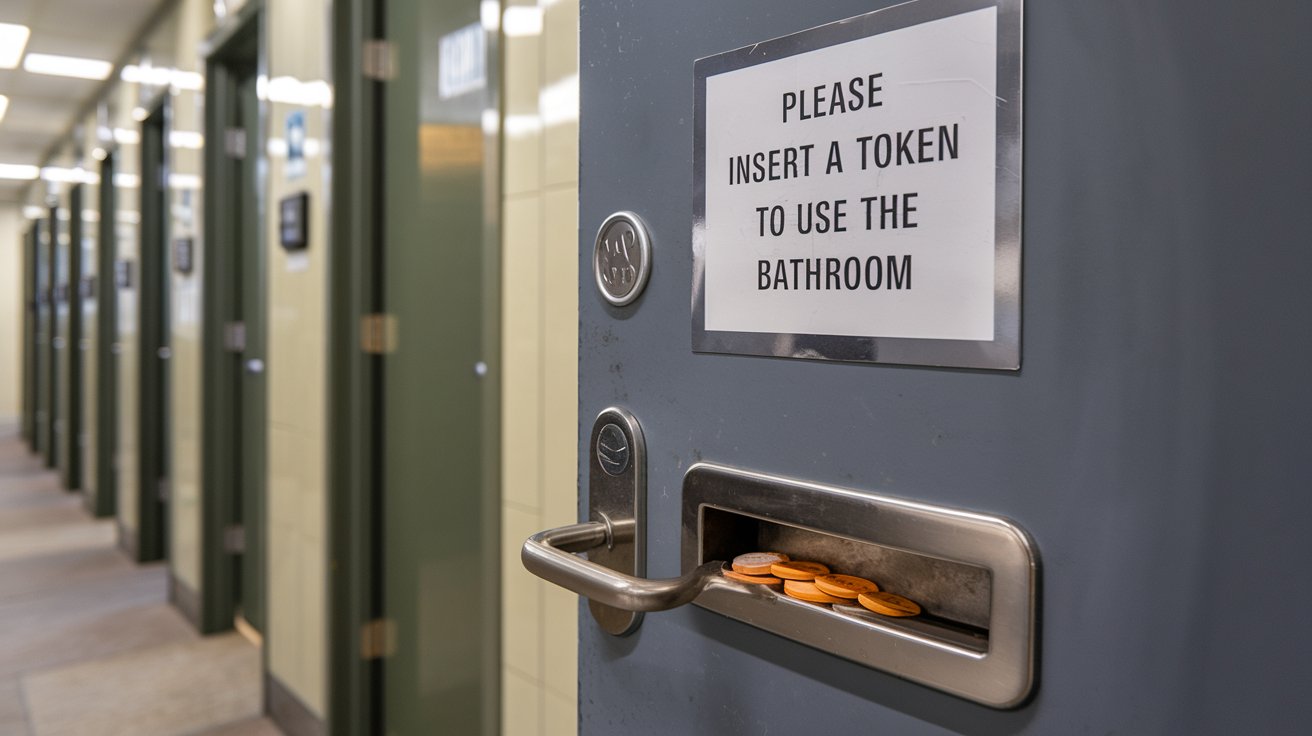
(794, 570)
(889, 604)
(757, 563)
(754, 579)
(803, 590)
(845, 586)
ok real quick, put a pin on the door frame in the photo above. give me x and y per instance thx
(232, 44)
(152, 339)
(360, 634)
(104, 501)
(70, 460)
(354, 386)
(30, 291)
(51, 439)
(41, 339)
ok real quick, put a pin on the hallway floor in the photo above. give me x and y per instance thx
(89, 644)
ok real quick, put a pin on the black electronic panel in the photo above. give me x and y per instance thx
(293, 221)
(184, 254)
(123, 274)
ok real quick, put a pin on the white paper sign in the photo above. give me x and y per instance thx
(850, 190)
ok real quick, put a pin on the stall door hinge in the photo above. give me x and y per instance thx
(378, 60)
(377, 639)
(378, 333)
(234, 539)
(234, 337)
(234, 142)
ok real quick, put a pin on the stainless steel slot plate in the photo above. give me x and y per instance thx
(997, 671)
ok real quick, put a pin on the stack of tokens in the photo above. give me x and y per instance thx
(814, 583)
(754, 568)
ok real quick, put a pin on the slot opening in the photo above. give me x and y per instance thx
(954, 596)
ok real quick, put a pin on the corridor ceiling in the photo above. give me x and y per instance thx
(41, 107)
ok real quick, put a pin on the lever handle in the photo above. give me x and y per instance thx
(548, 555)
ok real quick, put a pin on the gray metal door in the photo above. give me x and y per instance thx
(1151, 447)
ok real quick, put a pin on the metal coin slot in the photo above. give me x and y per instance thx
(974, 575)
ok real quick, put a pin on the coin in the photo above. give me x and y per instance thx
(806, 591)
(797, 570)
(889, 604)
(754, 579)
(845, 586)
(757, 563)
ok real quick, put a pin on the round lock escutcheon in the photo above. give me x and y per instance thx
(613, 449)
(621, 258)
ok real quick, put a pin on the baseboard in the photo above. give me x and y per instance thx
(185, 599)
(288, 712)
(127, 540)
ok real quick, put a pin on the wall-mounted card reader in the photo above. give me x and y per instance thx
(973, 575)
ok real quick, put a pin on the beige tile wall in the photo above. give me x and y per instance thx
(11, 310)
(539, 352)
(195, 20)
(128, 161)
(298, 67)
(90, 234)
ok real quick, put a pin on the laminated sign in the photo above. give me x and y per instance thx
(858, 190)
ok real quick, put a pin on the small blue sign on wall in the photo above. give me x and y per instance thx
(295, 168)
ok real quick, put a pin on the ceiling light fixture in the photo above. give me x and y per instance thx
(13, 39)
(24, 172)
(62, 175)
(160, 76)
(186, 139)
(67, 66)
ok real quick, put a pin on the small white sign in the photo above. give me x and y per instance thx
(461, 64)
(851, 190)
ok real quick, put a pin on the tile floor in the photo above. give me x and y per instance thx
(88, 642)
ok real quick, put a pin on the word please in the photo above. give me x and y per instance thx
(833, 98)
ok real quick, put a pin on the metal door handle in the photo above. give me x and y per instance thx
(611, 577)
(548, 555)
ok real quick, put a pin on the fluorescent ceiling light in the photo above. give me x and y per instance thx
(126, 136)
(13, 39)
(4, 106)
(90, 216)
(33, 212)
(126, 180)
(19, 171)
(77, 175)
(67, 66)
(186, 139)
(184, 181)
(160, 76)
